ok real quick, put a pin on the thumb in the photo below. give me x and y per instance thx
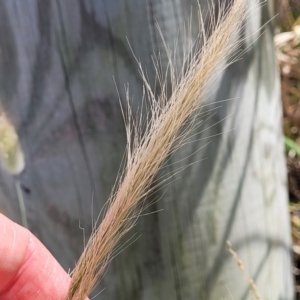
(27, 269)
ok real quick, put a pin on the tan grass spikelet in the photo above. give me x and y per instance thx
(147, 152)
(252, 285)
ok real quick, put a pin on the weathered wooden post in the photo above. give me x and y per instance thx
(57, 63)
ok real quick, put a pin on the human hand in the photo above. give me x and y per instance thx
(27, 269)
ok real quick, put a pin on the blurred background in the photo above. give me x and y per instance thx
(287, 42)
(63, 139)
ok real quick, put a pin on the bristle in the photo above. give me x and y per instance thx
(147, 152)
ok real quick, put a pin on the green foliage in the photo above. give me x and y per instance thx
(291, 145)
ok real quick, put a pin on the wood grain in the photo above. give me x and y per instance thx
(57, 64)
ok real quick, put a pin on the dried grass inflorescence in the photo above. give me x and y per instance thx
(252, 285)
(146, 152)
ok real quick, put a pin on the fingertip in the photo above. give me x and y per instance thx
(13, 248)
(27, 268)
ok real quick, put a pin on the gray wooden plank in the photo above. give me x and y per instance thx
(57, 63)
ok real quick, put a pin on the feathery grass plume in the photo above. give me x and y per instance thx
(11, 155)
(147, 152)
(12, 158)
